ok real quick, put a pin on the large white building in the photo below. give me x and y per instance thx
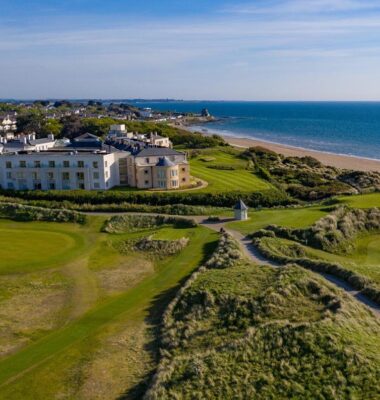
(62, 170)
(28, 142)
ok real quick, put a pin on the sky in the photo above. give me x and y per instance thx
(190, 49)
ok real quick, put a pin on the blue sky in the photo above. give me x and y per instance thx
(191, 49)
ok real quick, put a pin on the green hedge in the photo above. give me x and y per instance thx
(21, 212)
(267, 198)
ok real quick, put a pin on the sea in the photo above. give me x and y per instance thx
(349, 128)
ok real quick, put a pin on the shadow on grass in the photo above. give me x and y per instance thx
(155, 311)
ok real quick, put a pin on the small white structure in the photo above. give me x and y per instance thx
(241, 211)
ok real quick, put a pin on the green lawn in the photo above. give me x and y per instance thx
(239, 179)
(37, 245)
(362, 201)
(292, 217)
(67, 360)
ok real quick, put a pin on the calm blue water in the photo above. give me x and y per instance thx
(344, 128)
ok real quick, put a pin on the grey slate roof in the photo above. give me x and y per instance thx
(165, 162)
(158, 151)
(240, 205)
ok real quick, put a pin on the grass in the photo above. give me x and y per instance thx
(281, 333)
(362, 201)
(239, 179)
(97, 321)
(291, 217)
(30, 246)
(363, 260)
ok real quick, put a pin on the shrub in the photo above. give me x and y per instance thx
(21, 212)
(130, 223)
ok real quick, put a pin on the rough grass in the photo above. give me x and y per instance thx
(279, 334)
(99, 318)
(219, 180)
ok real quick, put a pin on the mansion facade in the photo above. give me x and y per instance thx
(87, 163)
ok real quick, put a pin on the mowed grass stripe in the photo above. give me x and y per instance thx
(136, 300)
(230, 180)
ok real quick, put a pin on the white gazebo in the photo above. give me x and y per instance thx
(241, 211)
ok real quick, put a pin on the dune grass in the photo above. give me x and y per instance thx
(362, 201)
(66, 362)
(280, 334)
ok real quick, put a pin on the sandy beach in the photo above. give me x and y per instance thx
(335, 160)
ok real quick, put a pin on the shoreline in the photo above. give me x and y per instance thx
(335, 160)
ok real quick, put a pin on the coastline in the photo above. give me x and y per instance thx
(331, 159)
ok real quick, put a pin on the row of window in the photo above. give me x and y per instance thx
(51, 175)
(51, 186)
(52, 164)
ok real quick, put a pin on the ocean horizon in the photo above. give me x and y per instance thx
(346, 128)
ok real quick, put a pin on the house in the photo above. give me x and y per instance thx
(241, 211)
(26, 143)
(146, 112)
(158, 168)
(7, 123)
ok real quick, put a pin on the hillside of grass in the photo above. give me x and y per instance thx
(224, 170)
(244, 331)
(78, 316)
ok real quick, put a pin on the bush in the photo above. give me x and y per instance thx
(357, 281)
(21, 212)
(267, 198)
(130, 223)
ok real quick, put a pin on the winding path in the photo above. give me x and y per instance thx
(253, 254)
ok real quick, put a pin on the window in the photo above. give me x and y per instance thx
(52, 186)
(50, 175)
(22, 164)
(174, 172)
(161, 174)
(80, 164)
(174, 183)
(9, 175)
(8, 164)
(51, 164)
(106, 174)
(35, 175)
(66, 176)
(37, 186)
(161, 184)
(81, 186)
(37, 164)
(146, 182)
(96, 175)
(95, 164)
(183, 179)
(106, 164)
(183, 169)
(96, 185)
(147, 160)
(146, 172)
(66, 164)
(80, 176)
(20, 175)
(10, 185)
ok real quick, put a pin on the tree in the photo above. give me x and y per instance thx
(72, 126)
(52, 126)
(31, 121)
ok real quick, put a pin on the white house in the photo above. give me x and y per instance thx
(146, 112)
(27, 143)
